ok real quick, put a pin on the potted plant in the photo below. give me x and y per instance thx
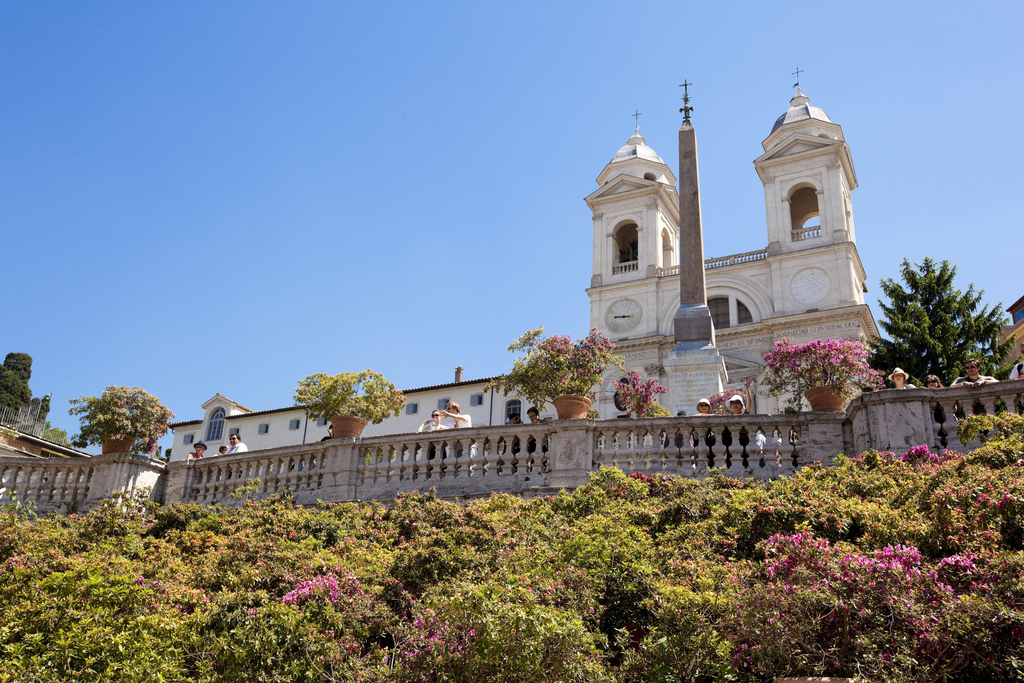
(828, 372)
(349, 400)
(556, 369)
(638, 395)
(121, 420)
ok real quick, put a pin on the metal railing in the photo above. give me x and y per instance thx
(25, 422)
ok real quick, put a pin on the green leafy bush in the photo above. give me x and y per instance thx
(881, 567)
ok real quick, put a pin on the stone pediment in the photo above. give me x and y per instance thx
(621, 185)
(798, 144)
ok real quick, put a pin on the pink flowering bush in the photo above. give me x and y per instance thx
(121, 413)
(720, 402)
(554, 366)
(840, 365)
(637, 394)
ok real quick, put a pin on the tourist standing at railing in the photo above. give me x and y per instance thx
(453, 417)
(534, 415)
(932, 382)
(974, 378)
(514, 419)
(1018, 368)
(433, 424)
(330, 433)
(899, 378)
(198, 454)
(736, 403)
(236, 445)
(222, 450)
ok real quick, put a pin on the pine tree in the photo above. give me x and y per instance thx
(933, 327)
(14, 376)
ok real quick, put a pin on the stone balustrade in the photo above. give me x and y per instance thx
(806, 233)
(528, 459)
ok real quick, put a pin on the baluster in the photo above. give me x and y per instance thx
(727, 443)
(744, 441)
(493, 456)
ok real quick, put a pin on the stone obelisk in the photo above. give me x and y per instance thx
(694, 366)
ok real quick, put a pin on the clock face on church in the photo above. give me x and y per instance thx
(623, 315)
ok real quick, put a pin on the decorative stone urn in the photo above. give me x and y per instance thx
(347, 426)
(570, 407)
(118, 445)
(823, 400)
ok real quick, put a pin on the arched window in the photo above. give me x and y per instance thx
(619, 405)
(743, 314)
(803, 207)
(513, 406)
(719, 311)
(627, 244)
(667, 252)
(216, 428)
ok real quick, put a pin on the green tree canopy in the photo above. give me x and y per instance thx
(933, 327)
(14, 376)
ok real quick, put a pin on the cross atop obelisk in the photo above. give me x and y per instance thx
(694, 323)
(695, 368)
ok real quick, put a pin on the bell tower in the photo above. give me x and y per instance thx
(808, 176)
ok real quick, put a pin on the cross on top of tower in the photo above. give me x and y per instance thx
(797, 74)
(685, 85)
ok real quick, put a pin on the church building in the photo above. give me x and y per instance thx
(806, 283)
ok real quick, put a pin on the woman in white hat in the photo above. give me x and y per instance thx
(899, 378)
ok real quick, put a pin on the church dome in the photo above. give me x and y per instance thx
(636, 148)
(800, 109)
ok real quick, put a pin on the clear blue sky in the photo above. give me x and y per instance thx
(199, 197)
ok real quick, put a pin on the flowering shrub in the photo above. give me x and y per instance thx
(638, 395)
(720, 402)
(880, 567)
(121, 413)
(840, 365)
(554, 366)
(363, 394)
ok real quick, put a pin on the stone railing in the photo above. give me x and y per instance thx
(896, 420)
(806, 233)
(746, 257)
(69, 485)
(529, 459)
(626, 267)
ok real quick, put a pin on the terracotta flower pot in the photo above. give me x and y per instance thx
(571, 407)
(118, 445)
(824, 401)
(347, 426)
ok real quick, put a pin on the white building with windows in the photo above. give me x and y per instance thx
(290, 426)
(807, 283)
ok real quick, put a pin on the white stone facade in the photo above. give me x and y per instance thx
(290, 426)
(807, 283)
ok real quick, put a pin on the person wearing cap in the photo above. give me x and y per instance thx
(198, 454)
(899, 378)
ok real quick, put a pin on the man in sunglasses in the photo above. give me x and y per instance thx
(974, 378)
(433, 424)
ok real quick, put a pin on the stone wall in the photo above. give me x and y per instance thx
(527, 460)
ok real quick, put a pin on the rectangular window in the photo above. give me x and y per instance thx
(293, 424)
(233, 430)
(322, 422)
(442, 403)
(264, 428)
(412, 408)
(188, 438)
(1018, 316)
(476, 400)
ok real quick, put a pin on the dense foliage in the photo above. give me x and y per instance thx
(365, 394)
(554, 366)
(15, 374)
(121, 413)
(639, 395)
(933, 327)
(888, 568)
(842, 365)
